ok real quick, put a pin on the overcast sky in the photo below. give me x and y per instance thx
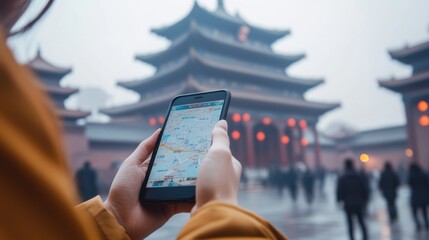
(345, 42)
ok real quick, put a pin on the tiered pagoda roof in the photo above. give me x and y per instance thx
(241, 98)
(51, 76)
(212, 50)
(418, 83)
(197, 35)
(241, 73)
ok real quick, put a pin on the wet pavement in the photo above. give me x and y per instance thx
(322, 220)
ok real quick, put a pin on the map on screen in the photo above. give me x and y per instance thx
(184, 144)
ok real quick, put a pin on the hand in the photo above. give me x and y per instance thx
(123, 201)
(219, 176)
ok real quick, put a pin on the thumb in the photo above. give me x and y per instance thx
(144, 149)
(220, 135)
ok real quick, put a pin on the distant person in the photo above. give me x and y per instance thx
(353, 193)
(321, 175)
(388, 185)
(276, 179)
(419, 185)
(292, 183)
(402, 173)
(367, 178)
(86, 178)
(308, 180)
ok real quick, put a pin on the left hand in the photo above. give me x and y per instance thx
(123, 201)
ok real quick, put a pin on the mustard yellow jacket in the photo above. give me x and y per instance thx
(37, 194)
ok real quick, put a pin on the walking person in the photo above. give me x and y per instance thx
(292, 183)
(353, 192)
(367, 178)
(320, 176)
(419, 185)
(388, 185)
(308, 183)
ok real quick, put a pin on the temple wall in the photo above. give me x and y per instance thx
(421, 137)
(76, 144)
(422, 140)
(329, 157)
(106, 159)
(395, 153)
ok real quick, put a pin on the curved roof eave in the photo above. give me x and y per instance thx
(396, 85)
(193, 85)
(157, 59)
(402, 53)
(39, 64)
(306, 83)
(169, 31)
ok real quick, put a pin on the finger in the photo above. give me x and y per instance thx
(144, 149)
(237, 166)
(220, 135)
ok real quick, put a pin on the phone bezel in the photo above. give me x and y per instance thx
(182, 194)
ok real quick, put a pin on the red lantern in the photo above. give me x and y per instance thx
(291, 122)
(152, 121)
(161, 119)
(424, 121)
(260, 136)
(303, 123)
(422, 106)
(266, 121)
(235, 135)
(236, 117)
(246, 117)
(285, 139)
(304, 142)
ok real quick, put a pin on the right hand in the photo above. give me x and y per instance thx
(219, 176)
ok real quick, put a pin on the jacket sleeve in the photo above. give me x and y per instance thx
(106, 223)
(37, 192)
(220, 220)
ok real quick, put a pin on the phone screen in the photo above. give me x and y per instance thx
(184, 144)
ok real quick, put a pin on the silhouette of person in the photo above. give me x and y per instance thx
(419, 184)
(292, 178)
(87, 181)
(320, 175)
(402, 173)
(353, 192)
(388, 185)
(308, 184)
(278, 180)
(367, 178)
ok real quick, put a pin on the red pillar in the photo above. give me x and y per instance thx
(411, 129)
(316, 145)
(282, 147)
(250, 145)
(294, 141)
(302, 147)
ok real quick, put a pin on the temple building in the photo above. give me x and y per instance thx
(74, 134)
(415, 95)
(269, 118)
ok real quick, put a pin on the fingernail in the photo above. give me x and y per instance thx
(223, 124)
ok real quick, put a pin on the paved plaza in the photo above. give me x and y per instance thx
(324, 220)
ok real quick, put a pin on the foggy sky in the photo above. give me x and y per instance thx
(345, 42)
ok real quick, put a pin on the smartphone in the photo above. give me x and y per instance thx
(182, 144)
